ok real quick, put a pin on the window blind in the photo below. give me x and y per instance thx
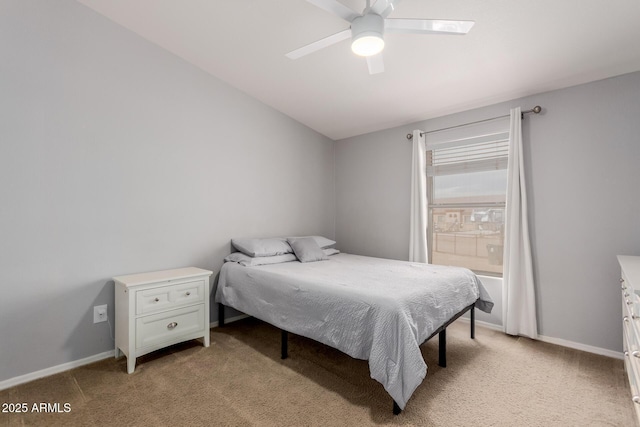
(476, 154)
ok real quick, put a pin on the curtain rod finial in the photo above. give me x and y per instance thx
(409, 136)
(537, 109)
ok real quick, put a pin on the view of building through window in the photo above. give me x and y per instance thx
(468, 237)
(467, 212)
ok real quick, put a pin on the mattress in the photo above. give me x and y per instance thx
(373, 309)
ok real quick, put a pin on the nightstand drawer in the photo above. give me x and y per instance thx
(170, 297)
(167, 326)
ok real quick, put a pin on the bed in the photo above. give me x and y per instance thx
(372, 309)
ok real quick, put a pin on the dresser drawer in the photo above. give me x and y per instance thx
(170, 296)
(632, 365)
(169, 325)
(630, 339)
(630, 283)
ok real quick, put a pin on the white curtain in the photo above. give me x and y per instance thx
(518, 297)
(418, 236)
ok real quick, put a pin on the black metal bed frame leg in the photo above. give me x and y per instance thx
(396, 408)
(473, 322)
(284, 348)
(220, 314)
(442, 348)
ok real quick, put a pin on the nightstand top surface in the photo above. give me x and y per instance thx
(161, 276)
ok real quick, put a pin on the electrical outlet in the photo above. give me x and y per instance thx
(100, 313)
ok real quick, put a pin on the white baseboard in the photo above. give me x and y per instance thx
(483, 324)
(557, 341)
(54, 370)
(583, 347)
(80, 362)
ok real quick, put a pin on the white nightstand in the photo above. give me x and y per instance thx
(161, 308)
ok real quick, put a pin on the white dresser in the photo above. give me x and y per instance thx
(630, 283)
(157, 309)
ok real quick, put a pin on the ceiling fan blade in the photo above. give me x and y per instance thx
(375, 63)
(427, 26)
(384, 7)
(317, 45)
(336, 8)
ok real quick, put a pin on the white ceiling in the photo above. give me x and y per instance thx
(516, 48)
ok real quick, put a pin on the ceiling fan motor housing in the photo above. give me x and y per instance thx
(367, 34)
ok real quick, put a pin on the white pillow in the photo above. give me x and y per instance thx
(247, 261)
(323, 242)
(262, 247)
(306, 249)
(330, 251)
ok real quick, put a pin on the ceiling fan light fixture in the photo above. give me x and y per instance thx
(367, 35)
(367, 45)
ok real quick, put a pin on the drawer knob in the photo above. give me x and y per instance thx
(626, 294)
(636, 399)
(172, 325)
(157, 299)
(629, 302)
(621, 280)
(188, 293)
(635, 353)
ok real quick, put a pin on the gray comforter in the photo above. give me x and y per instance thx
(370, 308)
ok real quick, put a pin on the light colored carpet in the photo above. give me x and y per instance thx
(494, 380)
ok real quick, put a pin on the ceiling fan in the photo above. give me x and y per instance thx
(368, 28)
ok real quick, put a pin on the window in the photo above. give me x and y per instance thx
(467, 186)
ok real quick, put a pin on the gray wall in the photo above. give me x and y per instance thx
(582, 165)
(117, 157)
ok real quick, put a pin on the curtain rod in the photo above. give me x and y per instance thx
(537, 109)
